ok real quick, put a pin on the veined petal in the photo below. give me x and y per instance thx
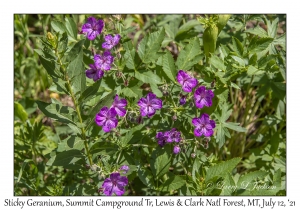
(142, 102)
(150, 111)
(156, 103)
(198, 132)
(196, 121)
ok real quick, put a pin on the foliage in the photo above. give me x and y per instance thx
(59, 149)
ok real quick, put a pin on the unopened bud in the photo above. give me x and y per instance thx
(193, 155)
(174, 118)
(126, 83)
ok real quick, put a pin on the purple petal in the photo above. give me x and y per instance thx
(208, 132)
(151, 96)
(150, 111)
(108, 38)
(91, 35)
(181, 75)
(212, 123)
(107, 45)
(197, 132)
(156, 103)
(176, 149)
(142, 102)
(122, 181)
(196, 121)
(117, 39)
(120, 111)
(143, 111)
(90, 73)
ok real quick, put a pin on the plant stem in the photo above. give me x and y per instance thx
(76, 107)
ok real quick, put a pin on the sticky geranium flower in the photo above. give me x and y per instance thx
(186, 81)
(119, 106)
(94, 73)
(173, 135)
(149, 105)
(168, 137)
(111, 41)
(161, 139)
(176, 149)
(114, 184)
(104, 61)
(124, 168)
(203, 97)
(204, 126)
(92, 28)
(107, 119)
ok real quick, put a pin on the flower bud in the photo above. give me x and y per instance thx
(193, 155)
(182, 100)
(176, 149)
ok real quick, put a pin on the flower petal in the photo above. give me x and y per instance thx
(156, 103)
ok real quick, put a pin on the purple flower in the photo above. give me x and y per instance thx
(173, 135)
(119, 105)
(124, 168)
(182, 100)
(111, 41)
(203, 97)
(92, 28)
(176, 149)
(161, 139)
(187, 81)
(204, 126)
(114, 184)
(94, 73)
(104, 61)
(107, 119)
(149, 105)
(168, 137)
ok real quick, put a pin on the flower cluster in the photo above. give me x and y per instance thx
(169, 137)
(202, 97)
(107, 117)
(102, 62)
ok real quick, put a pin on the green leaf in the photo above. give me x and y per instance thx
(169, 66)
(126, 139)
(20, 112)
(134, 92)
(50, 66)
(155, 90)
(76, 68)
(56, 111)
(160, 162)
(148, 77)
(221, 169)
(258, 45)
(150, 45)
(217, 63)
(238, 46)
(190, 55)
(65, 158)
(220, 135)
(90, 91)
(234, 126)
(257, 31)
(71, 143)
(240, 61)
(58, 26)
(187, 26)
(146, 177)
(229, 184)
(71, 28)
(103, 148)
(254, 71)
(129, 55)
(172, 183)
(272, 27)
